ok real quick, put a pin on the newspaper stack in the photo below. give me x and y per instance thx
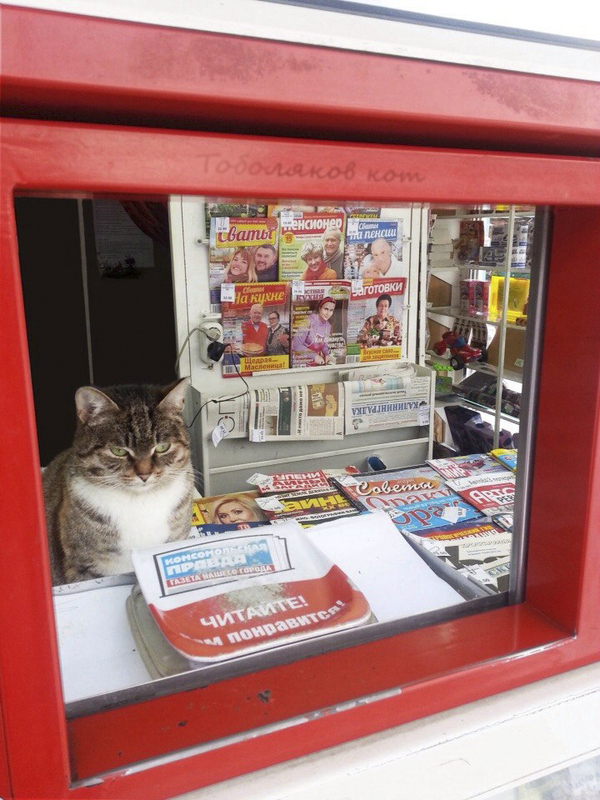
(237, 594)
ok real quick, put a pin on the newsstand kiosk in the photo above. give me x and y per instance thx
(98, 107)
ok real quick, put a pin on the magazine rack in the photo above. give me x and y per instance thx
(173, 743)
(226, 467)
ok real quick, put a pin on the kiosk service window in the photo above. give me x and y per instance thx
(360, 524)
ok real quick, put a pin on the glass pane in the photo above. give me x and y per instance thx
(354, 408)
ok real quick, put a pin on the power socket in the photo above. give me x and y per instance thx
(213, 332)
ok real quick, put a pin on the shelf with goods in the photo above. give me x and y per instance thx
(454, 311)
(501, 322)
(227, 466)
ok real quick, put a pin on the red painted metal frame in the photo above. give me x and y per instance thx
(80, 68)
(437, 667)
(52, 68)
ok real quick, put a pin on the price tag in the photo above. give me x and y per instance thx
(257, 478)
(220, 433)
(257, 435)
(222, 224)
(423, 415)
(451, 514)
(287, 218)
(352, 227)
(348, 480)
(357, 286)
(269, 503)
(297, 288)
(227, 292)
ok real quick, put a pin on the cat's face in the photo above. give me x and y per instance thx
(131, 437)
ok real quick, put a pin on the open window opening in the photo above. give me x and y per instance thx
(360, 377)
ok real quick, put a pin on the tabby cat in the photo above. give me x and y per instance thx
(127, 481)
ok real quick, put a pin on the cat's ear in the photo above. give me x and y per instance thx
(174, 395)
(92, 405)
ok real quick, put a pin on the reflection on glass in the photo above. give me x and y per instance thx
(317, 463)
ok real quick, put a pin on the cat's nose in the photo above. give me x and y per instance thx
(143, 468)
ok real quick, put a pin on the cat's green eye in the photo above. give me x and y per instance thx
(118, 451)
(162, 448)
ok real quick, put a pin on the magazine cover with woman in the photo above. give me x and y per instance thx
(311, 246)
(237, 508)
(319, 315)
(242, 250)
(375, 320)
(256, 327)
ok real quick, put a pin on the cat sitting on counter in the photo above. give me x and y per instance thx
(126, 482)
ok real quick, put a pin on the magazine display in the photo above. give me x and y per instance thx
(318, 320)
(297, 412)
(390, 490)
(505, 521)
(237, 245)
(374, 249)
(508, 458)
(490, 494)
(375, 404)
(256, 327)
(375, 320)
(479, 551)
(308, 507)
(311, 246)
(227, 509)
(218, 598)
(232, 210)
(290, 481)
(202, 531)
(466, 466)
(362, 212)
(275, 210)
(436, 514)
(464, 545)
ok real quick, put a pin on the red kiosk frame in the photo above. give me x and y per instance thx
(556, 628)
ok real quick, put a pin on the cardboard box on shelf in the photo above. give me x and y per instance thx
(439, 292)
(514, 351)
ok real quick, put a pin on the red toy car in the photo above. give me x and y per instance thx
(460, 352)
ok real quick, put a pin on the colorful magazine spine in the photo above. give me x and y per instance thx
(375, 320)
(256, 327)
(308, 507)
(433, 515)
(205, 530)
(311, 246)
(465, 466)
(318, 320)
(391, 490)
(507, 458)
(237, 245)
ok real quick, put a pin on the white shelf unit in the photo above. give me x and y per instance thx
(226, 467)
(447, 314)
